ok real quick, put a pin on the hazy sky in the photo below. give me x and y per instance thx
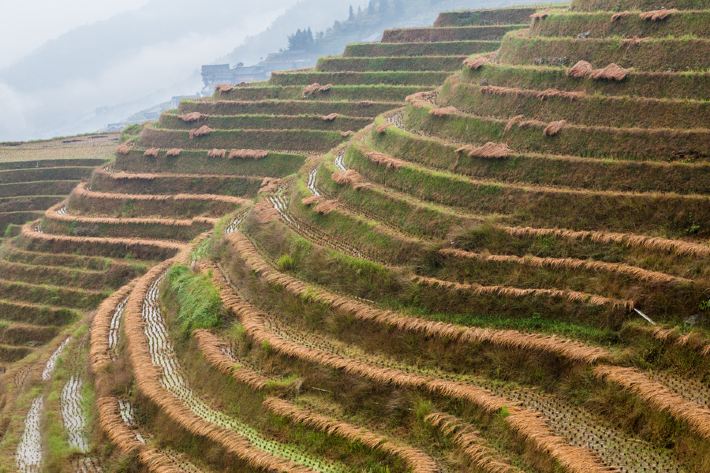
(26, 24)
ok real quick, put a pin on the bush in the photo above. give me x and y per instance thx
(285, 263)
(199, 304)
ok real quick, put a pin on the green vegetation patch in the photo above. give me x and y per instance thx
(199, 304)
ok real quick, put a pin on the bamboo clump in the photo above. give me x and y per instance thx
(513, 339)
(418, 461)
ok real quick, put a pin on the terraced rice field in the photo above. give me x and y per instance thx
(476, 246)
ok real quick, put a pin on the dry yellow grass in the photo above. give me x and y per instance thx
(213, 349)
(612, 72)
(488, 150)
(204, 130)
(100, 146)
(418, 461)
(570, 263)
(657, 395)
(512, 339)
(507, 291)
(148, 382)
(657, 15)
(470, 443)
(527, 424)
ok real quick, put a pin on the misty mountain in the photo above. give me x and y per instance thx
(87, 77)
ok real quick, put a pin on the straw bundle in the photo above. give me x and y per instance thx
(347, 133)
(316, 88)
(173, 152)
(264, 212)
(329, 118)
(513, 339)
(612, 72)
(475, 63)
(382, 129)
(517, 120)
(569, 263)
(217, 153)
(225, 88)
(192, 117)
(124, 149)
(443, 111)
(420, 99)
(248, 154)
(470, 442)
(488, 151)
(555, 93)
(554, 128)
(657, 15)
(525, 423)
(539, 16)
(350, 178)
(618, 16)
(52, 214)
(270, 184)
(215, 352)
(325, 207)
(382, 159)
(507, 291)
(311, 200)
(151, 152)
(580, 70)
(417, 460)
(204, 130)
(660, 397)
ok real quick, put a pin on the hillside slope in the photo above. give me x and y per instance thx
(357, 268)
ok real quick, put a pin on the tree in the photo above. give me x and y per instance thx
(384, 6)
(371, 7)
(301, 40)
(351, 15)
